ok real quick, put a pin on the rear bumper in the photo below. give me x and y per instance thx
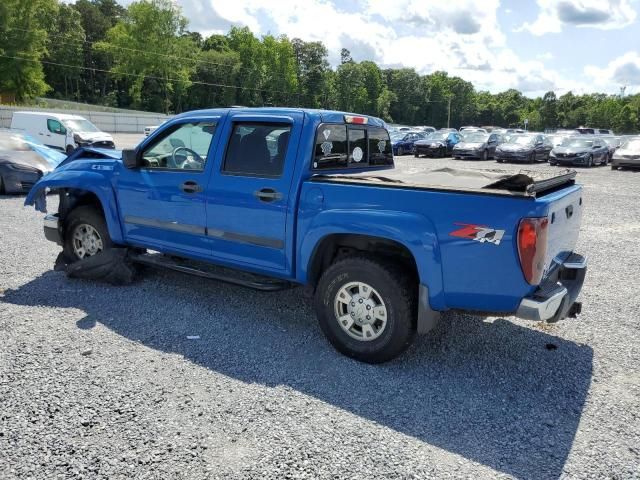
(556, 298)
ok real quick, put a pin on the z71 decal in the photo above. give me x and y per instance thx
(479, 233)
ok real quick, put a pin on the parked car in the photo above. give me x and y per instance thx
(472, 129)
(23, 161)
(528, 148)
(425, 129)
(61, 131)
(149, 130)
(403, 142)
(580, 150)
(438, 144)
(477, 145)
(515, 130)
(556, 138)
(447, 130)
(612, 142)
(594, 131)
(308, 215)
(627, 155)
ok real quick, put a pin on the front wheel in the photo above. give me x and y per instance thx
(590, 161)
(366, 308)
(85, 234)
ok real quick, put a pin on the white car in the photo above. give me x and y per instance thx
(149, 130)
(61, 131)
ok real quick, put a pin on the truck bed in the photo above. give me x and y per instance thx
(526, 183)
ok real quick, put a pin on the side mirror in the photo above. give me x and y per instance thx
(130, 158)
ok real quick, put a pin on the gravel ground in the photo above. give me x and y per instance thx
(102, 382)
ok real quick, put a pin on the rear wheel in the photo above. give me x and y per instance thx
(85, 234)
(366, 308)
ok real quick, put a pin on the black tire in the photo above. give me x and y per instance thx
(552, 163)
(499, 160)
(84, 215)
(400, 151)
(69, 150)
(590, 161)
(2, 192)
(416, 154)
(396, 290)
(485, 155)
(532, 158)
(442, 152)
(614, 167)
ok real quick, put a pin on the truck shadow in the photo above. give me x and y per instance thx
(503, 395)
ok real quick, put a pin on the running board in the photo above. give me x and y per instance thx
(221, 274)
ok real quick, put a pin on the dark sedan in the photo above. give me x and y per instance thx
(23, 162)
(438, 144)
(403, 142)
(580, 151)
(524, 148)
(477, 145)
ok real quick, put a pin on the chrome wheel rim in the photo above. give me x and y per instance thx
(86, 241)
(360, 311)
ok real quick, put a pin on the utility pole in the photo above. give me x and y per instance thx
(449, 111)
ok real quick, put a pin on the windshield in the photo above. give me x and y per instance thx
(577, 143)
(438, 136)
(476, 137)
(80, 125)
(520, 140)
(633, 144)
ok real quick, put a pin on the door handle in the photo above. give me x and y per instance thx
(190, 187)
(267, 195)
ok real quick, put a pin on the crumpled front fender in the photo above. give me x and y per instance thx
(88, 181)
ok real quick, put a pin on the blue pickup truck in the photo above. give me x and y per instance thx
(273, 198)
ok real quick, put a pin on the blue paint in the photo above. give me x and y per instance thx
(231, 227)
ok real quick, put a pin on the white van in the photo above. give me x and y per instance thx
(62, 131)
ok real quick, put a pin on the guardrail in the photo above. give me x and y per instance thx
(111, 122)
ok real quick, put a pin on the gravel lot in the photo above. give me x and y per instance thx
(102, 382)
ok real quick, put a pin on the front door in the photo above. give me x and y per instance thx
(163, 203)
(248, 214)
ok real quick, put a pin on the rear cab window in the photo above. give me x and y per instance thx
(351, 146)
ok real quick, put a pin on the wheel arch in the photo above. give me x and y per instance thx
(410, 238)
(79, 188)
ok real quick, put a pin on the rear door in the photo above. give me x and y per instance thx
(249, 199)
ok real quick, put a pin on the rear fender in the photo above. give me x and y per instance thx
(414, 231)
(88, 181)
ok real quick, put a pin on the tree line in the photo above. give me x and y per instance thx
(145, 57)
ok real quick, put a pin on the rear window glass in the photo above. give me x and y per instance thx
(341, 146)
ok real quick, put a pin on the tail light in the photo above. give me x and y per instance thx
(532, 248)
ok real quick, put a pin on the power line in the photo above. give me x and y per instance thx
(128, 49)
(153, 77)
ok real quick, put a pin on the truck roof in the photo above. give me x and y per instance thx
(329, 116)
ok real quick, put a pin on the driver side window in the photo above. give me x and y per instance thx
(184, 147)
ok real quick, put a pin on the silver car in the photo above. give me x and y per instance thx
(627, 155)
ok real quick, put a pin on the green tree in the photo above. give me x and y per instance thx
(65, 46)
(313, 72)
(148, 46)
(23, 44)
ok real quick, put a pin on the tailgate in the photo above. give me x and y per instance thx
(565, 216)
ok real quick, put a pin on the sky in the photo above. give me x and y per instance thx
(532, 45)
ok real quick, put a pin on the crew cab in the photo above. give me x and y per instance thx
(271, 198)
